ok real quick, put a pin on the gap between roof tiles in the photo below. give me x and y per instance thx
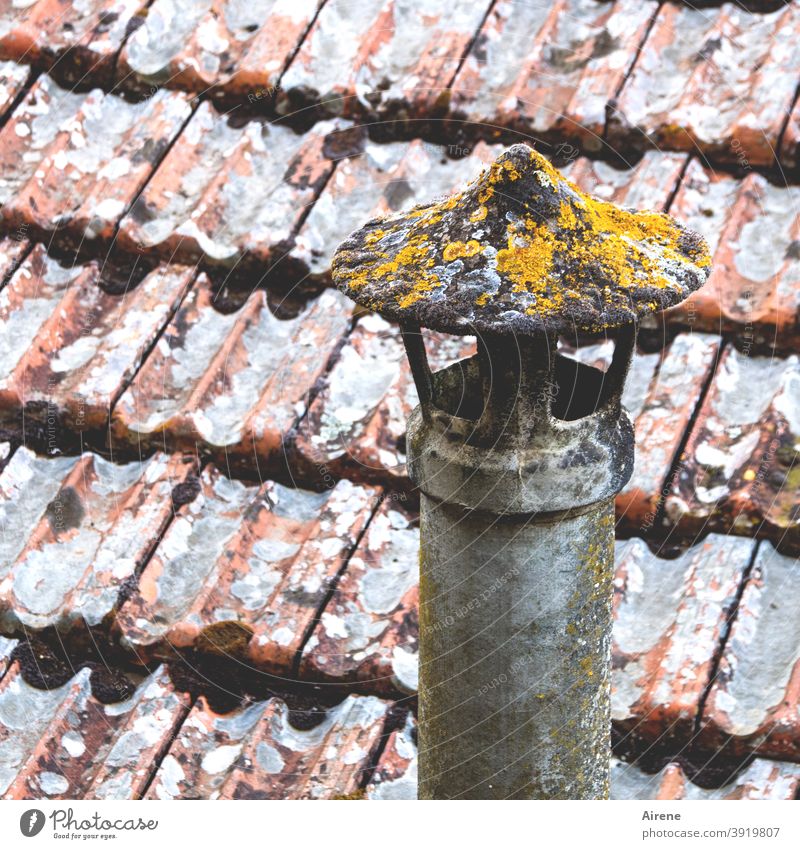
(732, 614)
(658, 521)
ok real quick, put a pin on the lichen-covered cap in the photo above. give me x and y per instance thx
(521, 250)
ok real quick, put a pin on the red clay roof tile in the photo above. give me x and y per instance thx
(64, 744)
(368, 631)
(754, 287)
(233, 383)
(721, 80)
(12, 250)
(84, 157)
(384, 178)
(395, 776)
(738, 472)
(549, 69)
(762, 779)
(381, 60)
(257, 753)
(667, 406)
(754, 703)
(218, 46)
(670, 616)
(223, 193)
(71, 347)
(356, 424)
(96, 519)
(648, 183)
(80, 39)
(13, 79)
(263, 557)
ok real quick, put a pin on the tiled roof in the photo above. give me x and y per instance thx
(209, 442)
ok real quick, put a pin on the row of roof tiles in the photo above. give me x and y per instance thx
(288, 582)
(721, 79)
(157, 744)
(63, 743)
(164, 369)
(155, 179)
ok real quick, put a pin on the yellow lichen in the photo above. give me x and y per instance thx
(479, 214)
(456, 250)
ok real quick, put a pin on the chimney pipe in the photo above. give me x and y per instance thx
(518, 453)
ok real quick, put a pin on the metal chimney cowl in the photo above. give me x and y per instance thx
(518, 453)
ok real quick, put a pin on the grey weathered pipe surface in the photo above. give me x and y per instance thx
(516, 568)
(514, 677)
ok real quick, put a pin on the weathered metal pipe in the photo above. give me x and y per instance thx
(516, 566)
(517, 453)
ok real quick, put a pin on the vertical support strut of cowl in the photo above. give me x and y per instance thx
(518, 453)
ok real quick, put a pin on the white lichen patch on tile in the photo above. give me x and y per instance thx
(263, 557)
(257, 753)
(368, 631)
(753, 696)
(670, 616)
(395, 777)
(234, 382)
(96, 519)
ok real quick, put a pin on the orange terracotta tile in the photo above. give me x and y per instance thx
(762, 779)
(669, 618)
(369, 630)
(257, 753)
(225, 194)
(220, 47)
(85, 158)
(232, 383)
(384, 60)
(70, 348)
(545, 69)
(64, 744)
(96, 519)
(79, 39)
(720, 80)
(269, 572)
(738, 471)
(754, 704)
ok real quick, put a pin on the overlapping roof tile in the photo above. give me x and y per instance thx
(762, 779)
(355, 427)
(383, 178)
(12, 251)
(232, 384)
(547, 69)
(69, 347)
(754, 704)
(384, 60)
(369, 630)
(754, 288)
(225, 192)
(261, 559)
(96, 519)
(670, 616)
(62, 743)
(722, 80)
(76, 162)
(661, 413)
(258, 752)
(13, 79)
(217, 46)
(81, 38)
(738, 472)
